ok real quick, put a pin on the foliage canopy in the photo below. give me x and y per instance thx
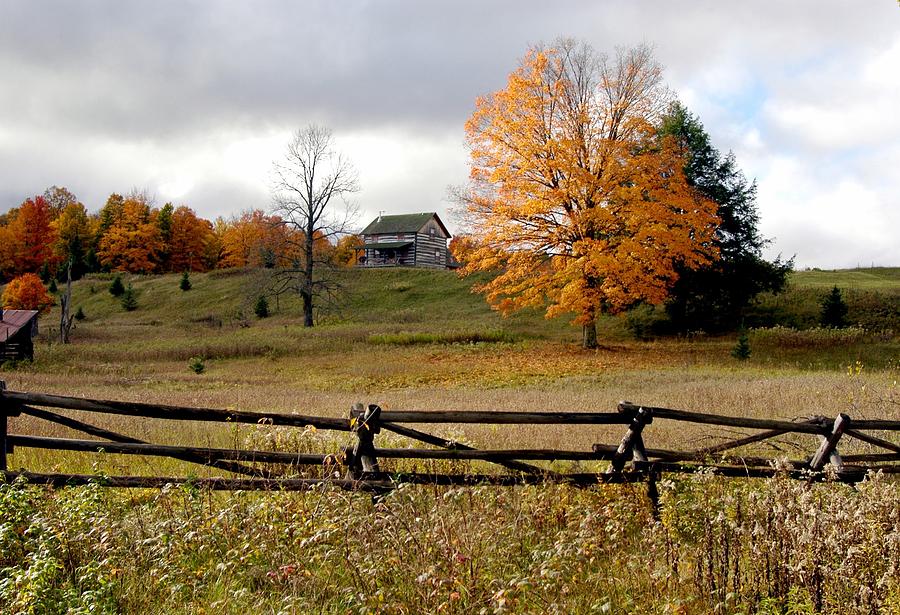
(575, 197)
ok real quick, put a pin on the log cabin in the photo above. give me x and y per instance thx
(406, 240)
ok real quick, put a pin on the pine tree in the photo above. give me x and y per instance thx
(79, 315)
(834, 310)
(52, 287)
(185, 282)
(261, 309)
(129, 301)
(741, 350)
(713, 298)
(116, 288)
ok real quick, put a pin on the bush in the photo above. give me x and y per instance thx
(129, 301)
(185, 284)
(197, 364)
(116, 288)
(27, 292)
(79, 314)
(411, 339)
(645, 322)
(261, 309)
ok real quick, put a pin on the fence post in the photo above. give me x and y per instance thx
(3, 427)
(364, 422)
(632, 447)
(828, 448)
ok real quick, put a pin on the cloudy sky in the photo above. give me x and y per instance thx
(192, 101)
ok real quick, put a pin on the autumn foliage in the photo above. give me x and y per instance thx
(576, 203)
(27, 292)
(129, 234)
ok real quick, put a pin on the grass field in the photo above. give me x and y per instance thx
(419, 340)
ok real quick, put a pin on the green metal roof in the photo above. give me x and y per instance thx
(387, 245)
(401, 223)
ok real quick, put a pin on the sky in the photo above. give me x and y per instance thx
(192, 101)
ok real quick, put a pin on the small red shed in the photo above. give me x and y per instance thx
(18, 328)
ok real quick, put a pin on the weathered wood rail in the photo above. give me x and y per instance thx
(360, 466)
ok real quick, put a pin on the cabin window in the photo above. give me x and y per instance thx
(431, 231)
(437, 256)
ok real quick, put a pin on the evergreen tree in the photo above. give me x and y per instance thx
(261, 309)
(116, 288)
(45, 272)
(129, 301)
(185, 282)
(713, 298)
(80, 315)
(741, 350)
(834, 310)
(52, 287)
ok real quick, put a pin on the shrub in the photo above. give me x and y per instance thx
(411, 339)
(79, 314)
(645, 322)
(185, 284)
(27, 292)
(261, 309)
(834, 310)
(129, 301)
(52, 288)
(116, 288)
(197, 364)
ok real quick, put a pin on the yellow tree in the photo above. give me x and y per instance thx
(132, 242)
(575, 203)
(188, 240)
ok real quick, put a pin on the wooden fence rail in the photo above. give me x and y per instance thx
(359, 466)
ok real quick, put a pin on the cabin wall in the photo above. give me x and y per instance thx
(431, 251)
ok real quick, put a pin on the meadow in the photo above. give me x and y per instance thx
(419, 340)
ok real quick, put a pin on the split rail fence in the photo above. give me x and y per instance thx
(360, 466)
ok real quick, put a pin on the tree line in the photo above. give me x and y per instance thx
(128, 233)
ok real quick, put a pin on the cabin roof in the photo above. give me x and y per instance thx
(13, 321)
(387, 245)
(402, 223)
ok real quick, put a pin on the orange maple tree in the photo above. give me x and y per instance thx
(132, 242)
(188, 240)
(575, 203)
(33, 235)
(255, 239)
(27, 292)
(348, 250)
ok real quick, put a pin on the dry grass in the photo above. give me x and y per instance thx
(722, 546)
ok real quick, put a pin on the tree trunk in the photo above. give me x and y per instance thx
(308, 274)
(307, 310)
(589, 334)
(65, 302)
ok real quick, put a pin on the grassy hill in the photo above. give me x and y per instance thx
(872, 296)
(215, 318)
(881, 279)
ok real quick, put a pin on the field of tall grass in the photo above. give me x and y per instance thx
(418, 340)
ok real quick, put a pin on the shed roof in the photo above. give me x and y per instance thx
(402, 223)
(13, 321)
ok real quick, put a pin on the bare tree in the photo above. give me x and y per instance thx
(308, 184)
(65, 302)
